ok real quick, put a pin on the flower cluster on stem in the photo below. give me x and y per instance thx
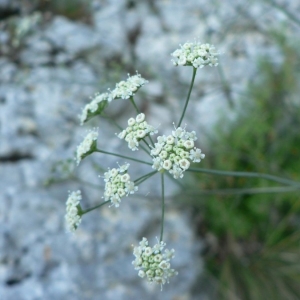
(195, 54)
(72, 217)
(118, 184)
(94, 107)
(174, 152)
(123, 90)
(137, 129)
(87, 146)
(153, 263)
(128, 88)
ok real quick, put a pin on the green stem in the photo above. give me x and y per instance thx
(144, 149)
(188, 97)
(162, 206)
(144, 177)
(146, 144)
(266, 190)
(133, 103)
(151, 140)
(123, 156)
(82, 212)
(178, 182)
(246, 174)
(144, 140)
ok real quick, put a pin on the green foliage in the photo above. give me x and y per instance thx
(253, 240)
(72, 9)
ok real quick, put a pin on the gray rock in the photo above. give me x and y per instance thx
(109, 26)
(7, 71)
(71, 37)
(37, 52)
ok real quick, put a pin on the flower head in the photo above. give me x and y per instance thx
(153, 263)
(118, 184)
(137, 129)
(72, 217)
(87, 146)
(126, 89)
(95, 107)
(123, 90)
(174, 152)
(195, 54)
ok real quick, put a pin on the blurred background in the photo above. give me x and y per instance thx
(235, 238)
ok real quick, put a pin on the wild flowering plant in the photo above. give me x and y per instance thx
(171, 155)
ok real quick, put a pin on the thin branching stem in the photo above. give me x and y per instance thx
(188, 96)
(162, 206)
(176, 181)
(151, 140)
(246, 174)
(144, 149)
(123, 156)
(263, 190)
(133, 103)
(147, 146)
(92, 208)
(144, 177)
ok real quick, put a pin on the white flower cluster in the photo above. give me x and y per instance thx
(172, 152)
(137, 129)
(87, 146)
(123, 90)
(93, 108)
(72, 217)
(195, 54)
(126, 89)
(152, 263)
(118, 184)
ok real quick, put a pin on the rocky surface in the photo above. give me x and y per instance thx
(47, 79)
